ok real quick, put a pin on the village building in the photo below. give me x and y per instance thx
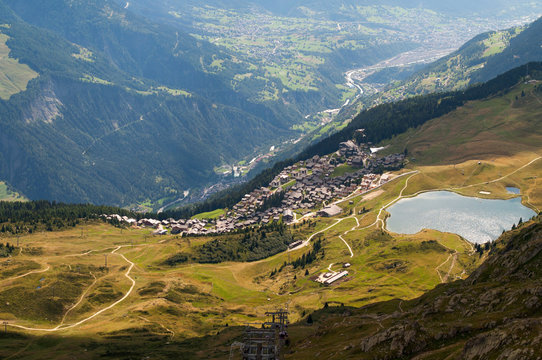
(288, 216)
(335, 277)
(330, 211)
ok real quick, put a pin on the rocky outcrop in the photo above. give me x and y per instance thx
(519, 340)
(46, 107)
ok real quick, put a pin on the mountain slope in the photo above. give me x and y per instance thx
(479, 60)
(495, 314)
(341, 9)
(105, 126)
(524, 48)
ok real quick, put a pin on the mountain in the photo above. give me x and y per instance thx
(107, 122)
(134, 103)
(479, 60)
(524, 48)
(193, 295)
(112, 106)
(341, 9)
(494, 314)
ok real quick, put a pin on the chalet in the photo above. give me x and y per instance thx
(357, 161)
(348, 148)
(295, 244)
(177, 229)
(275, 183)
(330, 211)
(288, 216)
(160, 231)
(284, 179)
(384, 178)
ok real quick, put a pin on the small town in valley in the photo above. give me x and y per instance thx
(301, 191)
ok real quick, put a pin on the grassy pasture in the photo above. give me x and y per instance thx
(14, 76)
(180, 304)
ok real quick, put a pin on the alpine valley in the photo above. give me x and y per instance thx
(220, 179)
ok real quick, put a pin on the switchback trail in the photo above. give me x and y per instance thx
(64, 327)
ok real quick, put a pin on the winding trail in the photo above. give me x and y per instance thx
(79, 301)
(64, 327)
(348, 246)
(496, 180)
(24, 275)
(306, 242)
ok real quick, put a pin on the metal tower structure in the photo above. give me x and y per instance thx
(266, 341)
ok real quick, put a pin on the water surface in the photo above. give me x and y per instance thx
(513, 190)
(477, 220)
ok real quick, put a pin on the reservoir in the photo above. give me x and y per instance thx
(477, 220)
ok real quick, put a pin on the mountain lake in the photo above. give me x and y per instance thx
(475, 219)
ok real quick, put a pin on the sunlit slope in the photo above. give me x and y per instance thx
(14, 76)
(496, 127)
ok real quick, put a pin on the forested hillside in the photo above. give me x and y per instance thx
(107, 123)
(123, 110)
(125, 103)
(382, 122)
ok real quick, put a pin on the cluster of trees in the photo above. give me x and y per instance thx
(481, 248)
(6, 249)
(176, 259)
(274, 200)
(514, 227)
(27, 217)
(250, 245)
(304, 260)
(309, 257)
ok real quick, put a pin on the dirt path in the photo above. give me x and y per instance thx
(348, 246)
(306, 242)
(444, 279)
(24, 275)
(496, 180)
(79, 301)
(454, 258)
(64, 327)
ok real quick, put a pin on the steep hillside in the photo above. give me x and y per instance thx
(494, 314)
(502, 125)
(104, 122)
(524, 48)
(392, 124)
(479, 60)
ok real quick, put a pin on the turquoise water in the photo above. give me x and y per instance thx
(477, 220)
